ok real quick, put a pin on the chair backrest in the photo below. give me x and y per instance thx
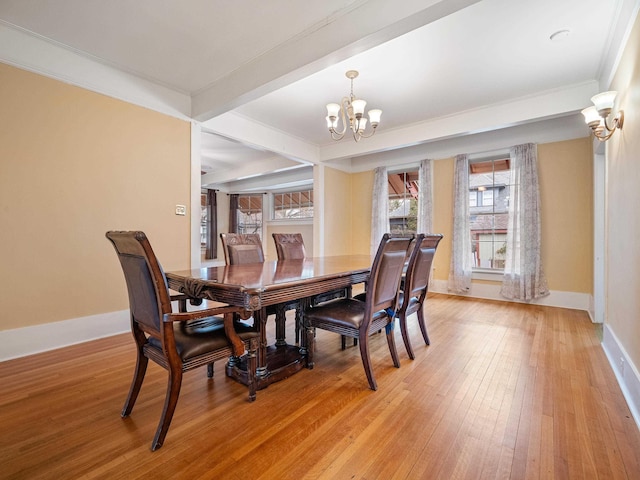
(242, 248)
(386, 272)
(419, 267)
(146, 283)
(289, 246)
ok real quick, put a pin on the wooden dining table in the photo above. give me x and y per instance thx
(259, 285)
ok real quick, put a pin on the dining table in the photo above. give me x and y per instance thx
(256, 286)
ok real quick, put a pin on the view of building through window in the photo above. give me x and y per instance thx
(204, 212)
(297, 204)
(403, 202)
(250, 214)
(488, 211)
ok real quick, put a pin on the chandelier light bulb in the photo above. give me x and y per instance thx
(374, 117)
(591, 115)
(604, 101)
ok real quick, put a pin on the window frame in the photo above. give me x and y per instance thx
(407, 220)
(498, 207)
(296, 219)
(259, 224)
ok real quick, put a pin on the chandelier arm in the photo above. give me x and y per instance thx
(342, 131)
(335, 135)
(615, 123)
(370, 135)
(603, 138)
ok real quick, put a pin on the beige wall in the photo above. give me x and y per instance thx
(338, 217)
(443, 215)
(361, 200)
(566, 186)
(566, 197)
(622, 198)
(306, 229)
(74, 164)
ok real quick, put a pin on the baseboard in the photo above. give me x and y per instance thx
(20, 342)
(574, 300)
(625, 371)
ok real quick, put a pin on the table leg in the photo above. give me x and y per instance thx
(260, 319)
(280, 324)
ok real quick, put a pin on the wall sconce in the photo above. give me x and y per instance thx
(596, 116)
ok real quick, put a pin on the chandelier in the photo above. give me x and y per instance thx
(353, 108)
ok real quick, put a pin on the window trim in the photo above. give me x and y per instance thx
(486, 273)
(293, 220)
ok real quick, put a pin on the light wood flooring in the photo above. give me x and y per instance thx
(504, 391)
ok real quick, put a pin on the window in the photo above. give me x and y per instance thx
(293, 205)
(403, 202)
(489, 211)
(204, 213)
(250, 214)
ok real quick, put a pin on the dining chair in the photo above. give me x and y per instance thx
(289, 246)
(357, 319)
(178, 341)
(413, 292)
(242, 248)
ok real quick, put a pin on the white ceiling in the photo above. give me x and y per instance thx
(259, 73)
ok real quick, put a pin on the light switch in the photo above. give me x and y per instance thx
(181, 210)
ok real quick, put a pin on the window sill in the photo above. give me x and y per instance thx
(486, 274)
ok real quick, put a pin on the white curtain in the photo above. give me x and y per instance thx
(380, 208)
(461, 256)
(523, 276)
(425, 204)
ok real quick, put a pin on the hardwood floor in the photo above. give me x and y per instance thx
(504, 391)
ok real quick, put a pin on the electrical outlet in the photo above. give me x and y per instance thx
(181, 210)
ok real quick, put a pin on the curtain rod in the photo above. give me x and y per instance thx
(248, 194)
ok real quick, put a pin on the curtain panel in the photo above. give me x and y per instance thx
(425, 202)
(523, 275)
(212, 225)
(379, 208)
(233, 213)
(461, 255)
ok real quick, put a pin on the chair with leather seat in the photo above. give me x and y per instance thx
(178, 341)
(357, 319)
(289, 246)
(416, 284)
(242, 248)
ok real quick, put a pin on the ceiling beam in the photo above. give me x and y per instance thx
(352, 31)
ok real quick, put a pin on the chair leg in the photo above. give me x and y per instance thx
(366, 363)
(136, 383)
(170, 402)
(210, 370)
(405, 335)
(423, 326)
(391, 341)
